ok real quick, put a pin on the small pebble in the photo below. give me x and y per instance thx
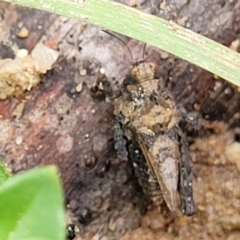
(163, 5)
(20, 24)
(22, 53)
(231, 223)
(164, 55)
(18, 140)
(235, 45)
(83, 72)
(196, 107)
(188, 24)
(79, 87)
(39, 147)
(89, 161)
(23, 33)
(102, 70)
(201, 208)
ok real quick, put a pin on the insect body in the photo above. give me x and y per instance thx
(147, 124)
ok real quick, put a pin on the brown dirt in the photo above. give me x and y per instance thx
(55, 124)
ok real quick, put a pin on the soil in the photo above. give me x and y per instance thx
(62, 122)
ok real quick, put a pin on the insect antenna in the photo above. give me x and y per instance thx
(133, 62)
(143, 52)
(129, 50)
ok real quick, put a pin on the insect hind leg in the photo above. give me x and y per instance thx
(185, 181)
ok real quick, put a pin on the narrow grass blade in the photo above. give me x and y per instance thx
(155, 31)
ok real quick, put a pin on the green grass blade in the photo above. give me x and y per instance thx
(154, 31)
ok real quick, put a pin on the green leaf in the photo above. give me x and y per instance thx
(4, 174)
(32, 206)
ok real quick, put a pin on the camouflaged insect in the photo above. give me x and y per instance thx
(147, 132)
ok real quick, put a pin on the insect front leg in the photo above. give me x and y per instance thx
(119, 139)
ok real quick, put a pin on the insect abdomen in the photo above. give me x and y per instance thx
(146, 178)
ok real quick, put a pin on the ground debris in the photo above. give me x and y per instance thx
(23, 73)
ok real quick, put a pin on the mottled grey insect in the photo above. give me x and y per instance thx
(147, 132)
